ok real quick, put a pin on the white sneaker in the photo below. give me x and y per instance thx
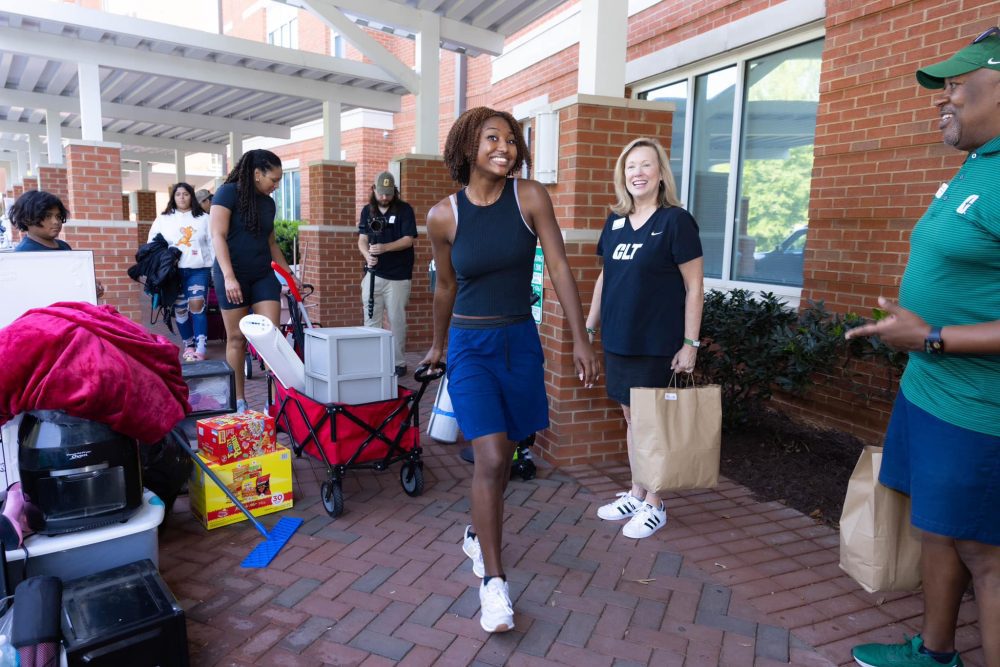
(646, 521)
(626, 505)
(470, 545)
(496, 611)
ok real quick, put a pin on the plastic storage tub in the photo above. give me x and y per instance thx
(349, 365)
(78, 554)
(211, 386)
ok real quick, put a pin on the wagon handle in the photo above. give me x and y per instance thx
(425, 373)
(292, 287)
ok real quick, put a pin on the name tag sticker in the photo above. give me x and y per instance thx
(670, 396)
(618, 224)
(392, 219)
(941, 190)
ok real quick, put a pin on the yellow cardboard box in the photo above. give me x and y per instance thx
(262, 483)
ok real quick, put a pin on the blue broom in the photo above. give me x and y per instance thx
(263, 553)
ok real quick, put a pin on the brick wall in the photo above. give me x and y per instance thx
(371, 152)
(586, 425)
(94, 186)
(425, 181)
(145, 213)
(879, 160)
(52, 179)
(329, 249)
(29, 184)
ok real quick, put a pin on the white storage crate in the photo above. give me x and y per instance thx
(335, 352)
(352, 389)
(84, 552)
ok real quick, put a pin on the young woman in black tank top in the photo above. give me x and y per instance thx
(484, 148)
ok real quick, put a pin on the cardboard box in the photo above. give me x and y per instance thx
(262, 483)
(236, 436)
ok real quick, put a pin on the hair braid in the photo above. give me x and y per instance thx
(246, 189)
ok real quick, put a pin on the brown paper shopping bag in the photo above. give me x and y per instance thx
(879, 548)
(676, 437)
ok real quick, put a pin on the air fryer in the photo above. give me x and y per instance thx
(76, 474)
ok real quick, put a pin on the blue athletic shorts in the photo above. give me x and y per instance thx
(496, 377)
(951, 474)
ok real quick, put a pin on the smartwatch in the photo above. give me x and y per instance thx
(933, 343)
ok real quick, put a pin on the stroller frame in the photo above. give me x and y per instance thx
(411, 475)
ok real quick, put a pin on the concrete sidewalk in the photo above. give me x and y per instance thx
(728, 581)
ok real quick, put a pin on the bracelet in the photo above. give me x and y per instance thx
(692, 343)
(592, 332)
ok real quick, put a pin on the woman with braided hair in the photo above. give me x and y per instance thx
(242, 223)
(484, 239)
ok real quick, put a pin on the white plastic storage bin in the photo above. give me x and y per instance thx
(86, 552)
(352, 389)
(342, 351)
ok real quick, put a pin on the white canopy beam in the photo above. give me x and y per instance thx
(53, 136)
(90, 101)
(34, 154)
(428, 66)
(603, 42)
(97, 53)
(180, 165)
(147, 114)
(222, 47)
(39, 129)
(408, 18)
(331, 130)
(335, 20)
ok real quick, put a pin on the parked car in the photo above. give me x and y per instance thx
(783, 264)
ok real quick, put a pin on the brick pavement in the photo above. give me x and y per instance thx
(729, 581)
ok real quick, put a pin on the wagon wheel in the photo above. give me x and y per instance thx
(411, 476)
(248, 366)
(332, 494)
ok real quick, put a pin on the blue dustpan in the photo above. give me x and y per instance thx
(263, 553)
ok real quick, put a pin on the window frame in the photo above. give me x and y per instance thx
(689, 73)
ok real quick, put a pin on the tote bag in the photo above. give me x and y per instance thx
(676, 437)
(879, 548)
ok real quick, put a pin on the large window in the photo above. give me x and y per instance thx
(286, 197)
(743, 160)
(287, 35)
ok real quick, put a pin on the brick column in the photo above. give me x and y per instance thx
(328, 244)
(52, 179)
(585, 425)
(423, 182)
(125, 210)
(94, 185)
(145, 213)
(30, 184)
(17, 191)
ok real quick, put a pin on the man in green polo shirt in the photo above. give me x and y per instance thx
(942, 447)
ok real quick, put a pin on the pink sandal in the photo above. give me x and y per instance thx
(190, 354)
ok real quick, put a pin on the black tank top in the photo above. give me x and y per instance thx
(492, 255)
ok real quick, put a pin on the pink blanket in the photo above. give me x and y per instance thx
(91, 362)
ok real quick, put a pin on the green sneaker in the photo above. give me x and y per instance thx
(906, 654)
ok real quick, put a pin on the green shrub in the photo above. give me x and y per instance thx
(286, 233)
(754, 345)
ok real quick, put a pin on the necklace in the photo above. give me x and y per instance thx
(489, 203)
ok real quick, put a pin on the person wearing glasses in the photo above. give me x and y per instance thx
(942, 447)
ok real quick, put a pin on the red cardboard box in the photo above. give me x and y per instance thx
(237, 436)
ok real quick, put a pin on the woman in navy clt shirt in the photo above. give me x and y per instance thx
(649, 297)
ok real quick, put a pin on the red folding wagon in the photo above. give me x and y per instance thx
(346, 437)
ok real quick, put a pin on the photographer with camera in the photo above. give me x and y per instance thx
(385, 239)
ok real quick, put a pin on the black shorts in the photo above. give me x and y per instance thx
(622, 372)
(266, 288)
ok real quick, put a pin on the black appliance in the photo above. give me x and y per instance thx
(76, 474)
(123, 617)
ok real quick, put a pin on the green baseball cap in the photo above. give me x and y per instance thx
(983, 52)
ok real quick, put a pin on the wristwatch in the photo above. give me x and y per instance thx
(692, 343)
(933, 344)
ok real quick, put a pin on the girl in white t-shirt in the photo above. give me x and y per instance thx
(184, 225)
